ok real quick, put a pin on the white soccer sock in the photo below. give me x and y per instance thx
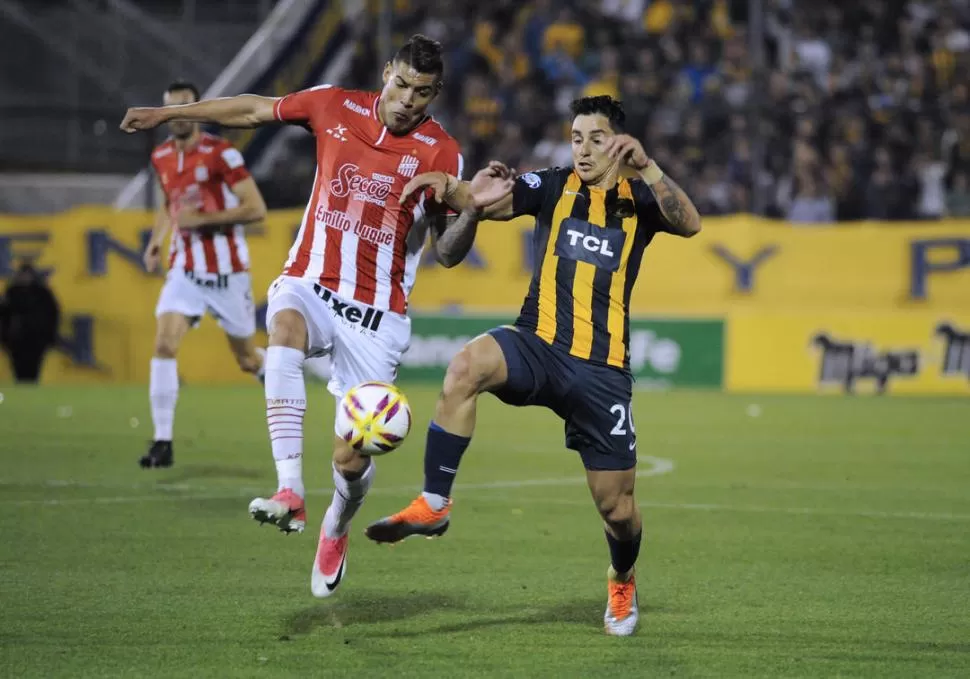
(348, 496)
(163, 392)
(285, 407)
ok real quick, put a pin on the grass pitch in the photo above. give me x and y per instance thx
(807, 537)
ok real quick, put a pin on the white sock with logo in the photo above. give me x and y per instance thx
(285, 408)
(348, 496)
(163, 392)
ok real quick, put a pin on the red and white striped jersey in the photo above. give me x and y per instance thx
(356, 237)
(201, 177)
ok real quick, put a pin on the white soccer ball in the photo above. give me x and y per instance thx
(373, 417)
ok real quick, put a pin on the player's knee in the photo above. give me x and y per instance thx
(166, 345)
(288, 330)
(346, 459)
(468, 373)
(618, 511)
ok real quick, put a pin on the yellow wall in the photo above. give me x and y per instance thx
(783, 352)
(813, 270)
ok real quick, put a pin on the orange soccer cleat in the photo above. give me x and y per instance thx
(418, 518)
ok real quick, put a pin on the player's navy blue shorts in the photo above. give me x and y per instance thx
(593, 400)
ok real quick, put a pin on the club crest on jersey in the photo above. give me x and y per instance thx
(349, 182)
(201, 173)
(408, 166)
(430, 141)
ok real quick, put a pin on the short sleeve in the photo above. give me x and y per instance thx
(648, 210)
(450, 160)
(231, 165)
(300, 107)
(529, 192)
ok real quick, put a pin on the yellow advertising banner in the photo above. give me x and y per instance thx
(898, 353)
(743, 263)
(737, 264)
(92, 259)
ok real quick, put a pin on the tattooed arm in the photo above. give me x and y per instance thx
(675, 207)
(452, 236)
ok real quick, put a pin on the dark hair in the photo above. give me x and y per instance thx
(184, 86)
(423, 54)
(604, 105)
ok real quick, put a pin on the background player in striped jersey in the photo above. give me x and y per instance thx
(208, 196)
(345, 286)
(568, 350)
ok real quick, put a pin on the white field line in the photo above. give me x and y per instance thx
(656, 466)
(182, 492)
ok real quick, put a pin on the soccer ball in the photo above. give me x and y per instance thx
(373, 417)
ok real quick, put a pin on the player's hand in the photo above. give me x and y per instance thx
(627, 150)
(142, 118)
(444, 188)
(492, 183)
(436, 181)
(189, 218)
(151, 257)
(495, 169)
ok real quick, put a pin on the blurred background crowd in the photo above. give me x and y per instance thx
(846, 110)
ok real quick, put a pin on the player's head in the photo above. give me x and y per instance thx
(595, 120)
(412, 79)
(181, 92)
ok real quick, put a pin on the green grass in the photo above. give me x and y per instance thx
(825, 537)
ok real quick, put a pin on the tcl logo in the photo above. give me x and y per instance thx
(584, 242)
(590, 243)
(350, 181)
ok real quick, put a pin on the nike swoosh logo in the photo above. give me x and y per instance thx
(633, 444)
(340, 574)
(574, 193)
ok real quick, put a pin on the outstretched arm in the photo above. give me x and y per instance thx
(244, 110)
(452, 235)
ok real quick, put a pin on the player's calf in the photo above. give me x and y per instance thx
(478, 367)
(612, 492)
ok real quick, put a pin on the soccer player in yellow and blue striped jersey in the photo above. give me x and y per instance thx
(569, 348)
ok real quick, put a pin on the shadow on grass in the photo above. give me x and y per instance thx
(363, 608)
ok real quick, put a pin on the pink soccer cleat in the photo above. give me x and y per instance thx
(329, 565)
(285, 510)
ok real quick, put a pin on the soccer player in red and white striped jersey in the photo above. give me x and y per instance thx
(344, 289)
(208, 196)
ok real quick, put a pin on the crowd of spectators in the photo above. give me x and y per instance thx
(853, 109)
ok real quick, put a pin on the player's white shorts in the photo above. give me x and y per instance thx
(364, 343)
(226, 297)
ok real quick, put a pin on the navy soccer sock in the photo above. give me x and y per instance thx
(623, 553)
(442, 454)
